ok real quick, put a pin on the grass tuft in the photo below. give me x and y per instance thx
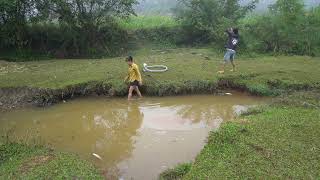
(176, 173)
(277, 143)
(19, 161)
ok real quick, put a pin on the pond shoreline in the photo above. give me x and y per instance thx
(49, 82)
(251, 140)
(21, 97)
(125, 130)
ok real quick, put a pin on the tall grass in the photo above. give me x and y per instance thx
(147, 22)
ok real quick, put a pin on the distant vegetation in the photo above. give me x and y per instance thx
(148, 22)
(287, 28)
(264, 4)
(35, 29)
(165, 7)
(64, 28)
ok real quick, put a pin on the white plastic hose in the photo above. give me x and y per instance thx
(159, 68)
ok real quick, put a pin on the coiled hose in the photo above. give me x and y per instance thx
(158, 68)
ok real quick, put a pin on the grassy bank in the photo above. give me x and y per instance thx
(189, 69)
(28, 162)
(277, 142)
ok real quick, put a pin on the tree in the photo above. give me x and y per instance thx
(212, 16)
(287, 28)
(14, 15)
(89, 18)
(74, 27)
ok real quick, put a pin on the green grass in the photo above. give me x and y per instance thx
(189, 69)
(147, 22)
(279, 143)
(176, 173)
(306, 99)
(26, 162)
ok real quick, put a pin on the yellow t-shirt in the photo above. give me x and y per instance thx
(134, 73)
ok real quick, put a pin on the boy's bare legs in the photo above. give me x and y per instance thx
(138, 91)
(130, 92)
(233, 66)
(223, 67)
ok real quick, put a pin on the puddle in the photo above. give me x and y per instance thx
(135, 140)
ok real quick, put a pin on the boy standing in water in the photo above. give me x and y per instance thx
(231, 47)
(134, 78)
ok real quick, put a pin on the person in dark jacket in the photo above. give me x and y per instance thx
(231, 47)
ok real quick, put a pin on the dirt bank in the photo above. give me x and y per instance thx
(48, 82)
(12, 98)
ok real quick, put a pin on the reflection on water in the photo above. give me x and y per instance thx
(154, 133)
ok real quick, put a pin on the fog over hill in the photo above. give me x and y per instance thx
(264, 4)
(156, 6)
(164, 7)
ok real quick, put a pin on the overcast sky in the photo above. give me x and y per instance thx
(164, 6)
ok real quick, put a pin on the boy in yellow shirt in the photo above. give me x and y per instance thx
(134, 78)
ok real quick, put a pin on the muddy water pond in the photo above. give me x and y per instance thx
(137, 139)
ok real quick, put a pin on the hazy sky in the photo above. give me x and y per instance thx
(265, 3)
(164, 6)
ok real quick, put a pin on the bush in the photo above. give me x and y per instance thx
(147, 22)
(163, 35)
(58, 28)
(63, 41)
(286, 29)
(206, 20)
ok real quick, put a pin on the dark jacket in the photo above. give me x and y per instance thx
(233, 40)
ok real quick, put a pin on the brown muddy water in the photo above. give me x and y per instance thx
(136, 140)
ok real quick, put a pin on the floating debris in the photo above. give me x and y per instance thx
(229, 94)
(97, 156)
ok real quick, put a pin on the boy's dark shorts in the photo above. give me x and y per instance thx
(135, 83)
